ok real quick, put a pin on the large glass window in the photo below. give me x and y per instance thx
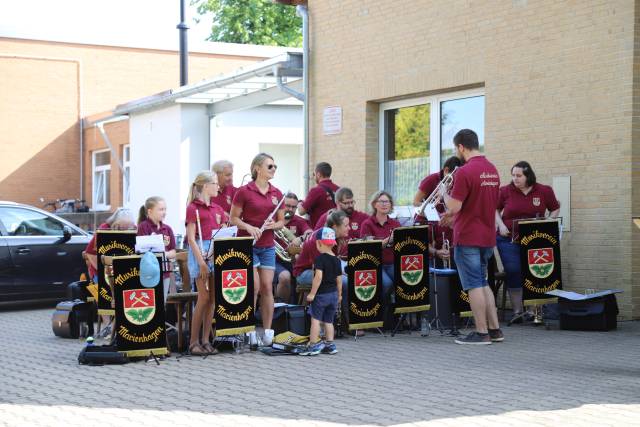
(25, 222)
(417, 137)
(408, 144)
(101, 180)
(456, 114)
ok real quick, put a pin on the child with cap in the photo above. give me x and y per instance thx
(325, 294)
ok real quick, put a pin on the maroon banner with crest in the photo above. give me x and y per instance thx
(233, 273)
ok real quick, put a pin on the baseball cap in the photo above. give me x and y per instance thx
(326, 235)
(149, 270)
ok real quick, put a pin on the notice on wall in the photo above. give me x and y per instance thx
(332, 120)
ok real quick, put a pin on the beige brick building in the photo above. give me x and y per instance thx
(557, 83)
(47, 87)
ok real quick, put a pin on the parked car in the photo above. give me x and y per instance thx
(40, 253)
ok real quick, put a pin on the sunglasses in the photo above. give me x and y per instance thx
(270, 167)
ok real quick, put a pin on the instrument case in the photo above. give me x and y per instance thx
(594, 314)
(292, 318)
(68, 316)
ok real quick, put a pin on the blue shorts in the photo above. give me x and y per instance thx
(192, 263)
(324, 307)
(264, 258)
(471, 262)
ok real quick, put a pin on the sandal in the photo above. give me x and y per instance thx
(196, 349)
(210, 349)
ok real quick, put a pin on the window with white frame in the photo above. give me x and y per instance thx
(416, 137)
(126, 157)
(101, 180)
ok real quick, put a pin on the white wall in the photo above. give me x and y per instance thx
(168, 148)
(238, 136)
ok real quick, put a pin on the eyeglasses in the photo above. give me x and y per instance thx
(291, 206)
(272, 167)
(384, 202)
(349, 203)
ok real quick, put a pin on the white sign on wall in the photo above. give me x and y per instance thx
(332, 120)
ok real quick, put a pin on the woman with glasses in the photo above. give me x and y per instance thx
(200, 208)
(251, 212)
(380, 226)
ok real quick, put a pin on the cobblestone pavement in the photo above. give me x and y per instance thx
(535, 377)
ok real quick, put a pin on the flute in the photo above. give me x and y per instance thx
(206, 284)
(270, 215)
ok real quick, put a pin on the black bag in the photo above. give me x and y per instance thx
(78, 290)
(292, 318)
(595, 314)
(98, 355)
(70, 316)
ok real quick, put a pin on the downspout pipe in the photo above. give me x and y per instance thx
(184, 52)
(277, 72)
(303, 12)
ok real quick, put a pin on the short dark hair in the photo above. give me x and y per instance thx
(467, 138)
(344, 193)
(527, 171)
(324, 169)
(451, 163)
(291, 195)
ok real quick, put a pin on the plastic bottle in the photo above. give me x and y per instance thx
(424, 326)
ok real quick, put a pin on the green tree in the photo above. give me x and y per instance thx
(252, 22)
(412, 132)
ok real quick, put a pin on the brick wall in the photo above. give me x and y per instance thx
(48, 86)
(558, 82)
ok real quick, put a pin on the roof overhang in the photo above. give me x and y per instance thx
(245, 87)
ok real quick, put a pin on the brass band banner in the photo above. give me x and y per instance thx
(140, 317)
(364, 269)
(459, 298)
(233, 274)
(540, 260)
(111, 243)
(411, 268)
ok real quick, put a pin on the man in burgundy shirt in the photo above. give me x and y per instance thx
(321, 197)
(472, 205)
(224, 170)
(345, 202)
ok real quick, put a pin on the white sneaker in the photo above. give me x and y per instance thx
(268, 337)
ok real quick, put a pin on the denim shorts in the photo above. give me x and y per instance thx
(472, 265)
(192, 263)
(264, 258)
(324, 307)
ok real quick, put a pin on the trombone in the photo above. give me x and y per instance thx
(444, 186)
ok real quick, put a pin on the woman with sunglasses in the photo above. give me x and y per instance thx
(251, 212)
(380, 226)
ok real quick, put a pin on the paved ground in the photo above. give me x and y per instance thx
(536, 377)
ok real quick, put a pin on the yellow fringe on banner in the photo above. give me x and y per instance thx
(106, 312)
(234, 331)
(365, 325)
(528, 302)
(412, 309)
(143, 353)
(466, 314)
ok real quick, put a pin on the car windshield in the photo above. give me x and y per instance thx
(25, 222)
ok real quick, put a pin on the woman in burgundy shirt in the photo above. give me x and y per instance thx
(380, 226)
(251, 211)
(522, 198)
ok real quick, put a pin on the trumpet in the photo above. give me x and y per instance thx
(446, 262)
(444, 186)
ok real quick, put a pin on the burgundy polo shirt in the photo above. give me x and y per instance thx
(514, 204)
(297, 225)
(225, 197)
(256, 207)
(147, 228)
(318, 201)
(212, 217)
(355, 223)
(309, 252)
(91, 247)
(476, 185)
(371, 227)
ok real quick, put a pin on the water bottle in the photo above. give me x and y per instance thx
(424, 327)
(89, 341)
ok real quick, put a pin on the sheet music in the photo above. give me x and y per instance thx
(431, 213)
(153, 242)
(224, 232)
